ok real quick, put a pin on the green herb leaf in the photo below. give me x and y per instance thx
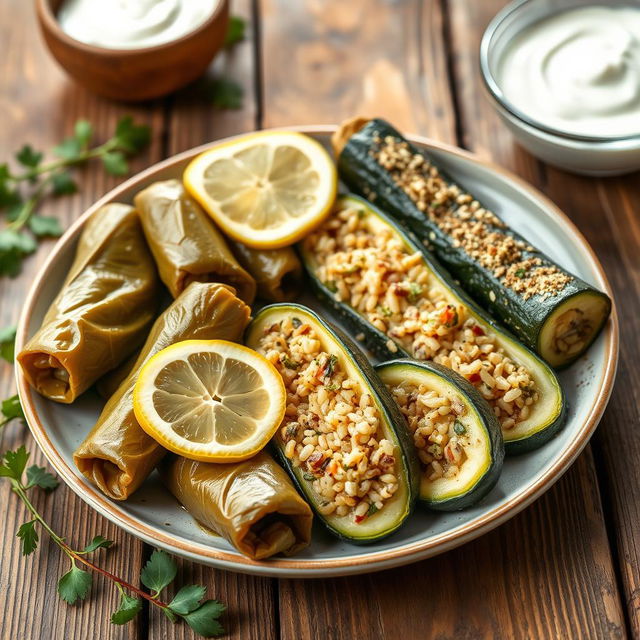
(414, 291)
(63, 183)
(14, 247)
(11, 408)
(7, 343)
(74, 585)
(29, 537)
(159, 571)
(99, 542)
(83, 132)
(520, 273)
(39, 477)
(309, 477)
(226, 94)
(235, 31)
(45, 226)
(115, 163)
(128, 610)
(204, 620)
(131, 137)
(172, 616)
(68, 149)
(187, 599)
(458, 428)
(372, 509)
(27, 157)
(16, 461)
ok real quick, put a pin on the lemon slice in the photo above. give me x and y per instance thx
(210, 400)
(266, 190)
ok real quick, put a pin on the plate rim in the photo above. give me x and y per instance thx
(358, 562)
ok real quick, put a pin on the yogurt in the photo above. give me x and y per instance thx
(132, 24)
(577, 71)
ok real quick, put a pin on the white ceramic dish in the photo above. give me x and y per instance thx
(153, 515)
(593, 155)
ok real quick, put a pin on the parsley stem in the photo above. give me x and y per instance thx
(30, 205)
(75, 556)
(88, 154)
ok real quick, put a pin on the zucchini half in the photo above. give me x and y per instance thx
(548, 416)
(480, 435)
(559, 326)
(350, 358)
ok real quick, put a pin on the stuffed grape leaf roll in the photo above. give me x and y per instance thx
(185, 243)
(102, 312)
(118, 455)
(253, 504)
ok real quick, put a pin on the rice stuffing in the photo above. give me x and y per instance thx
(374, 272)
(331, 428)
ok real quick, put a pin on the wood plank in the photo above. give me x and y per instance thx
(193, 121)
(325, 61)
(605, 211)
(511, 583)
(39, 105)
(528, 590)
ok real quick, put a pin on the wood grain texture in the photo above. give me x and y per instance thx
(605, 210)
(39, 105)
(325, 60)
(527, 579)
(192, 121)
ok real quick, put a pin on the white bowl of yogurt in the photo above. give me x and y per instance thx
(565, 78)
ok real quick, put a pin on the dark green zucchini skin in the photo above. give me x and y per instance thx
(385, 349)
(392, 416)
(472, 397)
(526, 318)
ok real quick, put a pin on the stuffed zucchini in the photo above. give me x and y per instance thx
(552, 311)
(339, 438)
(455, 432)
(401, 302)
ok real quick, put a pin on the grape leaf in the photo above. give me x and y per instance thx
(39, 477)
(204, 620)
(74, 585)
(128, 610)
(28, 536)
(159, 571)
(187, 599)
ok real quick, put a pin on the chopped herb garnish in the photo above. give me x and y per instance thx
(332, 387)
(330, 366)
(385, 311)
(296, 322)
(414, 291)
(459, 428)
(435, 450)
(290, 364)
(308, 476)
(521, 273)
(372, 509)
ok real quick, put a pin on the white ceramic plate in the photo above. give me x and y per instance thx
(153, 515)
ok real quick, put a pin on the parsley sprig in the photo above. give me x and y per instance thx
(22, 190)
(158, 573)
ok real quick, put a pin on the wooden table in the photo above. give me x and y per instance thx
(567, 567)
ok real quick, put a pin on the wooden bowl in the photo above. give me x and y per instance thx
(135, 74)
